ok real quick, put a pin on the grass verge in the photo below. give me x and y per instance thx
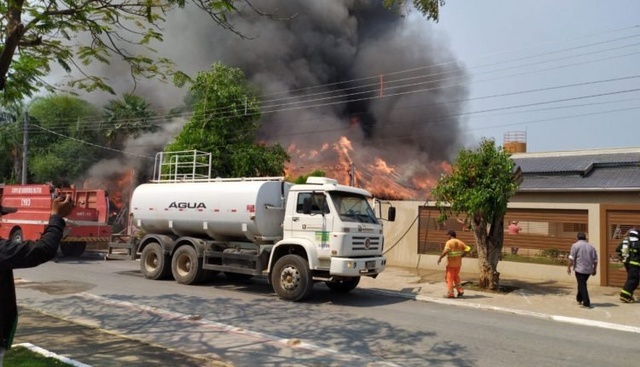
(24, 357)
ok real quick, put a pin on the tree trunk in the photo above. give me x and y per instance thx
(17, 164)
(489, 251)
(14, 29)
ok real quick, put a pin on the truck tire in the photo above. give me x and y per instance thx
(154, 264)
(186, 267)
(291, 278)
(72, 249)
(343, 286)
(16, 236)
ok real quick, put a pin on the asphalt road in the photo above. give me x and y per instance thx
(245, 324)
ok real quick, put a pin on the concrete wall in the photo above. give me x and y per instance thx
(401, 243)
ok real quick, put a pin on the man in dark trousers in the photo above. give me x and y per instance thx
(26, 254)
(583, 258)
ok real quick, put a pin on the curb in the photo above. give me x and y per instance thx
(539, 315)
(49, 354)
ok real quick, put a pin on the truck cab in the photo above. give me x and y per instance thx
(338, 222)
(333, 228)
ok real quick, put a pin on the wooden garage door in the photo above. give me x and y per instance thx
(542, 230)
(618, 223)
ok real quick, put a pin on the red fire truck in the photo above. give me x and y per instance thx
(88, 222)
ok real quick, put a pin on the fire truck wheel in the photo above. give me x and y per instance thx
(186, 267)
(72, 249)
(16, 236)
(291, 278)
(343, 286)
(154, 264)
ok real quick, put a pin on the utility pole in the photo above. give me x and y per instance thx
(25, 147)
(352, 175)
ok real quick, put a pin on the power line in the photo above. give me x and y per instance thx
(92, 144)
(266, 101)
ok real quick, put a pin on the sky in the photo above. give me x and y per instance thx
(511, 48)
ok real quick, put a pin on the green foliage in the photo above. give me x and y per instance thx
(303, 179)
(258, 160)
(65, 161)
(224, 122)
(57, 149)
(24, 357)
(480, 185)
(428, 8)
(126, 117)
(11, 129)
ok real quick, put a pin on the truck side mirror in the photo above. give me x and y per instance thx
(391, 214)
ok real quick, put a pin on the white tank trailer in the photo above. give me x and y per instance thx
(296, 235)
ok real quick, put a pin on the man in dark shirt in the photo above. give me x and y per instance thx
(26, 254)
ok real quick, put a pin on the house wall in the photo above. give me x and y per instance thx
(401, 240)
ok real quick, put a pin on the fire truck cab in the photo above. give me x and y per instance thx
(88, 222)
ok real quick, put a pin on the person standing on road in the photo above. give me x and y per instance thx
(26, 254)
(632, 264)
(583, 258)
(454, 250)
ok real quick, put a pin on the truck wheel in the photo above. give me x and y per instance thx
(291, 278)
(73, 249)
(345, 285)
(185, 266)
(16, 236)
(154, 264)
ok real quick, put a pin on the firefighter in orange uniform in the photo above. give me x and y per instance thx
(454, 250)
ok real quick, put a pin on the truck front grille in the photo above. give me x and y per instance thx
(365, 243)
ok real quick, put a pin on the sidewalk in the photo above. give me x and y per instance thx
(94, 347)
(548, 300)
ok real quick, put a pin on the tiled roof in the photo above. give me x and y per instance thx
(583, 171)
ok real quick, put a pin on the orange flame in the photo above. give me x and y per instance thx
(372, 172)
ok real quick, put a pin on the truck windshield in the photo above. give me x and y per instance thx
(353, 207)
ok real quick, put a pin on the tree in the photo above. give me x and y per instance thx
(55, 164)
(480, 185)
(38, 33)
(303, 178)
(428, 8)
(224, 123)
(60, 126)
(126, 117)
(11, 130)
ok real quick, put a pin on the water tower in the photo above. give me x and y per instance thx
(515, 141)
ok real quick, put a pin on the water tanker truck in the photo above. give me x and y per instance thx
(294, 234)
